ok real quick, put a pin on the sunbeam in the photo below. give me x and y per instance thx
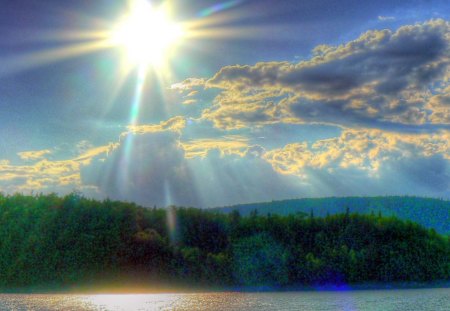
(16, 64)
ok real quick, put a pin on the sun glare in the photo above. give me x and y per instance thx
(146, 34)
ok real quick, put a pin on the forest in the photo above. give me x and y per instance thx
(49, 242)
(428, 212)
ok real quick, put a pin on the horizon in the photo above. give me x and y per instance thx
(215, 104)
(33, 194)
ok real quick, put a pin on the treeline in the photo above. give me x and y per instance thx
(428, 212)
(55, 242)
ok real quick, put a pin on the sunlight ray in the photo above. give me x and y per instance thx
(134, 114)
(11, 65)
(124, 177)
(70, 35)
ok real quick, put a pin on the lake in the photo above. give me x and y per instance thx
(405, 299)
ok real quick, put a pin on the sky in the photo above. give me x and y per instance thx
(253, 100)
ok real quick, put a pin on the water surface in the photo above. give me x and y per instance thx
(406, 299)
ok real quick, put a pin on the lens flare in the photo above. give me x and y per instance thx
(219, 7)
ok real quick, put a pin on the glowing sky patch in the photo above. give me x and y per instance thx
(146, 34)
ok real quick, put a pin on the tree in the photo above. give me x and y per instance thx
(259, 260)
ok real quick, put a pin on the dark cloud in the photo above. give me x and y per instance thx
(391, 61)
(404, 117)
(381, 77)
(148, 169)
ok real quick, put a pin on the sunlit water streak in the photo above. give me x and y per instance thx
(386, 300)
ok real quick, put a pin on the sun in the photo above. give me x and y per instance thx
(146, 34)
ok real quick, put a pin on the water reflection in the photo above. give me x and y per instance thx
(386, 300)
(130, 302)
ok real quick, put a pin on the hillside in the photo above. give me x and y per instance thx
(430, 213)
(56, 243)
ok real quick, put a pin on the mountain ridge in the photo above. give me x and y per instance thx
(429, 212)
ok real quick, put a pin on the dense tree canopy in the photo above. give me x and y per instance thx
(51, 242)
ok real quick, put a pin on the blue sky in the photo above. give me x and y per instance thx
(268, 100)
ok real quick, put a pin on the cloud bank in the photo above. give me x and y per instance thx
(383, 79)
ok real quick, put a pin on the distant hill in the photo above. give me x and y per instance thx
(431, 213)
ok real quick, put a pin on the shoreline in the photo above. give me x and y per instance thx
(135, 290)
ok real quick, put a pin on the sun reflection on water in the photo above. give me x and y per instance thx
(133, 302)
(401, 300)
(165, 302)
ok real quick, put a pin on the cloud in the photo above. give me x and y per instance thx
(159, 169)
(175, 124)
(95, 152)
(363, 149)
(145, 167)
(383, 78)
(188, 84)
(40, 176)
(386, 18)
(229, 145)
(370, 162)
(46, 175)
(240, 115)
(193, 93)
(440, 106)
(188, 98)
(409, 176)
(156, 168)
(62, 176)
(189, 102)
(30, 156)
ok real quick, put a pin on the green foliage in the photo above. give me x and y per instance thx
(259, 260)
(53, 242)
